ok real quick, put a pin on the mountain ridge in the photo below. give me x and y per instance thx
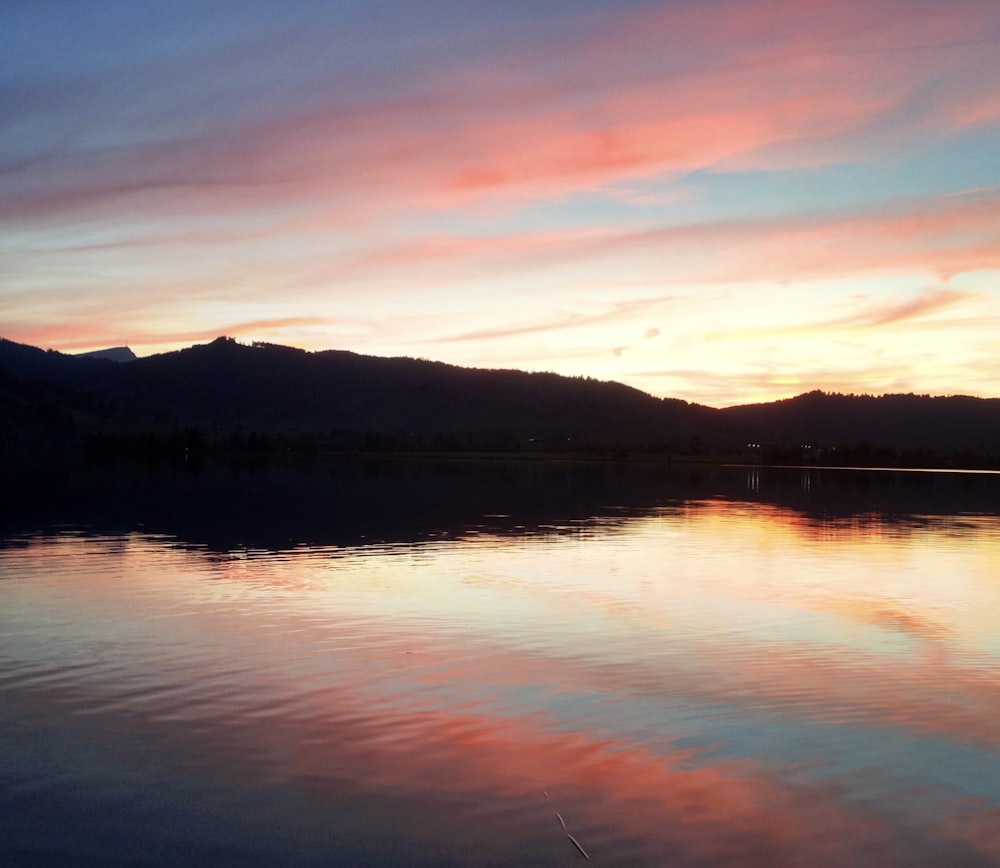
(112, 354)
(232, 393)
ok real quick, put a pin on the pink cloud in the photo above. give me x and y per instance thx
(943, 236)
(894, 312)
(642, 93)
(873, 315)
(785, 79)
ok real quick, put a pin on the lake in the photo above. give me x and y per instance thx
(377, 663)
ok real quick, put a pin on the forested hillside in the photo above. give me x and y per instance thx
(229, 396)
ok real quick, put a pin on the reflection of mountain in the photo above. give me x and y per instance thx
(369, 501)
(264, 397)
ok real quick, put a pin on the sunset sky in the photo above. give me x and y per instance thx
(723, 201)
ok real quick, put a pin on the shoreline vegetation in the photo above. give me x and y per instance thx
(190, 446)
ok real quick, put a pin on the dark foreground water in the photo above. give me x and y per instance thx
(398, 663)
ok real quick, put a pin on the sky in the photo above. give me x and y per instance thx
(724, 201)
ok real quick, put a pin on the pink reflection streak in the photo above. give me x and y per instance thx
(385, 733)
(622, 801)
(820, 680)
(802, 680)
(880, 689)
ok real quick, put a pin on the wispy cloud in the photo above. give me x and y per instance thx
(872, 314)
(944, 235)
(558, 323)
(894, 312)
(738, 83)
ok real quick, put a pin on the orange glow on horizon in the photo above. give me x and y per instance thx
(748, 174)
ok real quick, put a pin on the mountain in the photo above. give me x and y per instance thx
(343, 399)
(272, 388)
(113, 354)
(909, 421)
(229, 395)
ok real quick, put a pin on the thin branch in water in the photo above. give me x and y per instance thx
(578, 846)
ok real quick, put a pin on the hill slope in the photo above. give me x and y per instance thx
(225, 392)
(898, 422)
(228, 387)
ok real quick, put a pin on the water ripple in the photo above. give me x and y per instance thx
(714, 684)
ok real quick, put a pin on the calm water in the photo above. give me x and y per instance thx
(485, 664)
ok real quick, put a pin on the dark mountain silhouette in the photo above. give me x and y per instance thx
(911, 421)
(350, 400)
(225, 395)
(112, 354)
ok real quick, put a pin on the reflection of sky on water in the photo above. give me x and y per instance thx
(717, 665)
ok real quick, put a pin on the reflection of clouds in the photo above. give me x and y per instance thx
(666, 683)
(893, 617)
(622, 800)
(719, 636)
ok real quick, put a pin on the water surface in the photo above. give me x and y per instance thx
(466, 664)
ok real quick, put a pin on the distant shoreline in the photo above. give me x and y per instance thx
(221, 455)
